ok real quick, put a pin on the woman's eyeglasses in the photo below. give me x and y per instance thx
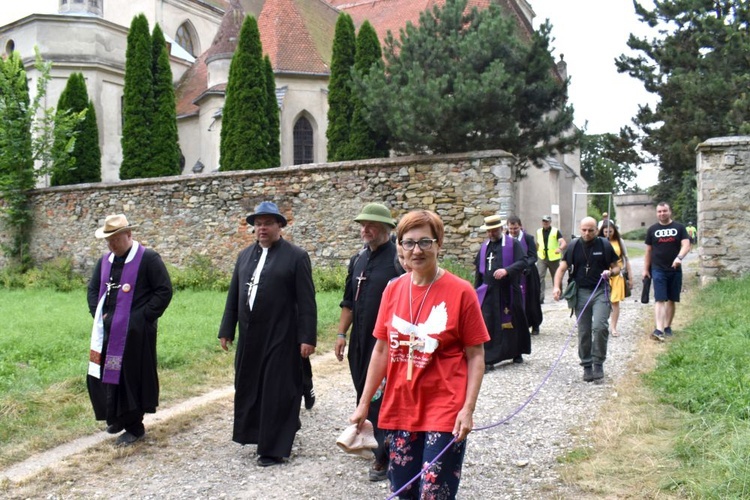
(424, 244)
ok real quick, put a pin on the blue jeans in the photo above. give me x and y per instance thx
(593, 327)
(410, 450)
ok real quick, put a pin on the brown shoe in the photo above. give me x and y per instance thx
(378, 471)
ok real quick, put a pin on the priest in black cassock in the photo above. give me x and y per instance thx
(499, 265)
(272, 298)
(530, 276)
(369, 272)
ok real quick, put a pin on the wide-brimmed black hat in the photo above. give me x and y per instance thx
(267, 208)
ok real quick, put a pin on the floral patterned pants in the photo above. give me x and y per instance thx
(410, 451)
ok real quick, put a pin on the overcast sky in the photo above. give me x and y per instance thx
(591, 34)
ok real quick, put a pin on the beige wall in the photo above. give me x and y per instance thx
(309, 97)
(634, 211)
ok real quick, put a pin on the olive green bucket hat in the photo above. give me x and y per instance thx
(376, 212)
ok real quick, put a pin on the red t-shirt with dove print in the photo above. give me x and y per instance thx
(444, 321)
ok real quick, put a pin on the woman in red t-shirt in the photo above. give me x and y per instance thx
(430, 348)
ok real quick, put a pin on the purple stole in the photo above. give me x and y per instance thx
(118, 332)
(505, 302)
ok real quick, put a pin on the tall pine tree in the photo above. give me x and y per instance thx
(698, 66)
(165, 159)
(274, 145)
(86, 162)
(364, 142)
(465, 81)
(340, 106)
(244, 124)
(138, 101)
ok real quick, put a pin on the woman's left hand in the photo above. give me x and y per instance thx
(464, 424)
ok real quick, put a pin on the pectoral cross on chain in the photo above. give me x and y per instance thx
(586, 268)
(412, 343)
(490, 258)
(360, 279)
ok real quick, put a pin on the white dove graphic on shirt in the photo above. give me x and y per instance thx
(435, 325)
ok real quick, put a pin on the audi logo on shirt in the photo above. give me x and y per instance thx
(665, 233)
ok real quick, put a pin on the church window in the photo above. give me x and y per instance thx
(184, 39)
(303, 142)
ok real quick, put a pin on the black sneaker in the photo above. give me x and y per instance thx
(657, 335)
(266, 461)
(588, 374)
(309, 398)
(668, 331)
(518, 360)
(598, 372)
(489, 368)
(535, 331)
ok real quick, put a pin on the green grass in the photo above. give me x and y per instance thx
(44, 357)
(706, 372)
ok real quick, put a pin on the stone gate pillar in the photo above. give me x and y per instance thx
(723, 165)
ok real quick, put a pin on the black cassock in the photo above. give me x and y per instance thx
(138, 390)
(505, 342)
(268, 365)
(532, 297)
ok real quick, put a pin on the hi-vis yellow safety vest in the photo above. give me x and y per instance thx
(552, 245)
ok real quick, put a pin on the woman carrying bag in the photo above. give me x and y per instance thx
(621, 284)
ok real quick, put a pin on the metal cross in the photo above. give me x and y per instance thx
(490, 258)
(412, 343)
(360, 279)
(586, 268)
(111, 286)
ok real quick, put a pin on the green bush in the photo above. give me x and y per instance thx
(329, 279)
(460, 270)
(635, 234)
(57, 274)
(199, 274)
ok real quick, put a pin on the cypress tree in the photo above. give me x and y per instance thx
(274, 146)
(340, 106)
(364, 142)
(138, 101)
(244, 128)
(86, 155)
(165, 158)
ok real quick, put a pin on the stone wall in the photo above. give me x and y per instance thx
(183, 216)
(723, 166)
(634, 211)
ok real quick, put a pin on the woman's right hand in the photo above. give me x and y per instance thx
(360, 414)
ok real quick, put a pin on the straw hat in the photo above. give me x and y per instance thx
(113, 225)
(358, 443)
(492, 222)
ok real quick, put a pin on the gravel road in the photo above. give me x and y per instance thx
(196, 459)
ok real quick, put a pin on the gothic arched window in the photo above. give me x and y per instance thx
(184, 38)
(303, 142)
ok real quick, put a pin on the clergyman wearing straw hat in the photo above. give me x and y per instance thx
(499, 265)
(128, 291)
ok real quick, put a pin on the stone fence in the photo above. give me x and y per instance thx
(185, 216)
(723, 166)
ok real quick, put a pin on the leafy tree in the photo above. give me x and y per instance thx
(698, 67)
(27, 136)
(85, 159)
(464, 80)
(364, 142)
(340, 106)
(164, 141)
(138, 102)
(245, 129)
(274, 145)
